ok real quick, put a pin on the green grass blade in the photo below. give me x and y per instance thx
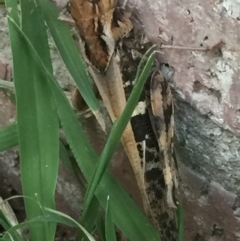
(180, 221)
(109, 226)
(64, 157)
(65, 219)
(12, 8)
(36, 117)
(8, 137)
(135, 227)
(70, 55)
(91, 216)
(32, 19)
(143, 61)
(125, 214)
(8, 219)
(100, 227)
(52, 216)
(117, 130)
(69, 52)
(89, 219)
(3, 221)
(8, 89)
(4, 84)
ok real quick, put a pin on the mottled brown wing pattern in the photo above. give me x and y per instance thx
(99, 29)
(148, 139)
(152, 125)
(163, 118)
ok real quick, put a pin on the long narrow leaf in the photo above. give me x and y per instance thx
(109, 226)
(6, 84)
(117, 130)
(8, 137)
(8, 219)
(64, 157)
(100, 226)
(12, 8)
(52, 216)
(8, 88)
(36, 116)
(70, 55)
(89, 220)
(69, 52)
(180, 220)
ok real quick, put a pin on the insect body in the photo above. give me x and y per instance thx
(153, 128)
(148, 138)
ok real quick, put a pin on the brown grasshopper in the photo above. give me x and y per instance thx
(113, 51)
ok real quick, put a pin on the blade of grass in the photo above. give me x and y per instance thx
(3, 221)
(90, 218)
(52, 216)
(100, 227)
(69, 52)
(12, 8)
(109, 226)
(143, 62)
(32, 18)
(136, 227)
(8, 88)
(8, 137)
(8, 219)
(36, 116)
(71, 57)
(117, 129)
(180, 220)
(64, 157)
(6, 84)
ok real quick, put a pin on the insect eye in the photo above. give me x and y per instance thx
(68, 7)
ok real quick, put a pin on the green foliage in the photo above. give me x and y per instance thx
(41, 104)
(109, 226)
(37, 120)
(8, 137)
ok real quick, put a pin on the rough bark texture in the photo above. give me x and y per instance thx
(207, 91)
